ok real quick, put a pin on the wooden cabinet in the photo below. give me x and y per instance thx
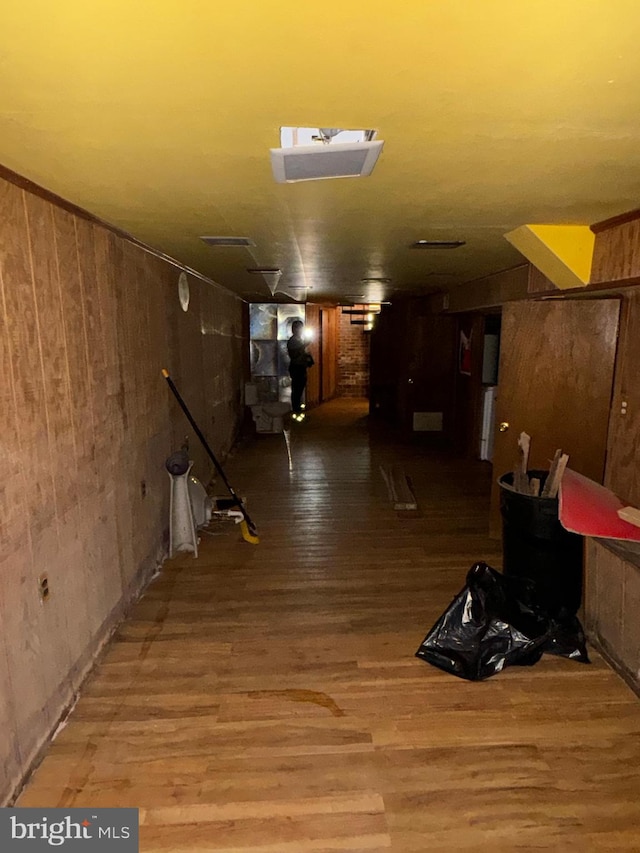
(556, 376)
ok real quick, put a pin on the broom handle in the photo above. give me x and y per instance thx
(205, 444)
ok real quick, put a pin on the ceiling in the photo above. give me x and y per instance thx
(158, 117)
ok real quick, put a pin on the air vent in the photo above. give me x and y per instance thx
(264, 270)
(227, 241)
(438, 244)
(318, 162)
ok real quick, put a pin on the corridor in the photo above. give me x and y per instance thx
(266, 699)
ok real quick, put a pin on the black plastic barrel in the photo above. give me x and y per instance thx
(536, 546)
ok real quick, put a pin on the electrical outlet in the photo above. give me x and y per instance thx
(143, 488)
(43, 588)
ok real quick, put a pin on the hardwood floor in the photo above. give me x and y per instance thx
(265, 699)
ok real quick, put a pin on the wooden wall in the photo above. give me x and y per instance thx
(612, 572)
(612, 599)
(312, 323)
(87, 322)
(616, 253)
(623, 451)
(617, 258)
(490, 291)
(330, 320)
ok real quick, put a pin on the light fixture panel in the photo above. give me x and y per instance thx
(320, 162)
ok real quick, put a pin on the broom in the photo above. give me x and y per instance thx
(247, 527)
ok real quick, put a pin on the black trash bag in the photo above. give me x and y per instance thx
(496, 622)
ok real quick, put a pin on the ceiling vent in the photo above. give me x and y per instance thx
(317, 162)
(227, 241)
(438, 244)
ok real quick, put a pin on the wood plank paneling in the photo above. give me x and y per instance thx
(13, 514)
(268, 699)
(34, 662)
(88, 320)
(616, 253)
(312, 324)
(11, 760)
(329, 321)
(57, 617)
(109, 434)
(612, 579)
(26, 362)
(611, 604)
(538, 282)
(491, 291)
(94, 348)
(30, 661)
(53, 344)
(75, 335)
(622, 471)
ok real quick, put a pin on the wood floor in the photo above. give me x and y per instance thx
(266, 699)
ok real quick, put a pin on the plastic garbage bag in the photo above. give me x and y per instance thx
(494, 622)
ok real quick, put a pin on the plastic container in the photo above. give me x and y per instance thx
(536, 546)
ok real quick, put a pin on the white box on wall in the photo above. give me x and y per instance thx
(489, 396)
(427, 421)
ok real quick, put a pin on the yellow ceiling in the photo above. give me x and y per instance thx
(158, 117)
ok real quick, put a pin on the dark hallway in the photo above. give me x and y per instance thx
(268, 699)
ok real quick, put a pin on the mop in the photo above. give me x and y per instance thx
(247, 527)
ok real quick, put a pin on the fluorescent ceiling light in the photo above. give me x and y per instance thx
(319, 162)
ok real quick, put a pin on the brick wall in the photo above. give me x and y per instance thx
(353, 359)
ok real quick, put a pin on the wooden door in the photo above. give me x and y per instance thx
(467, 415)
(329, 354)
(556, 377)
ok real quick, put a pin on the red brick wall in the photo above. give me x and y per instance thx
(353, 359)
